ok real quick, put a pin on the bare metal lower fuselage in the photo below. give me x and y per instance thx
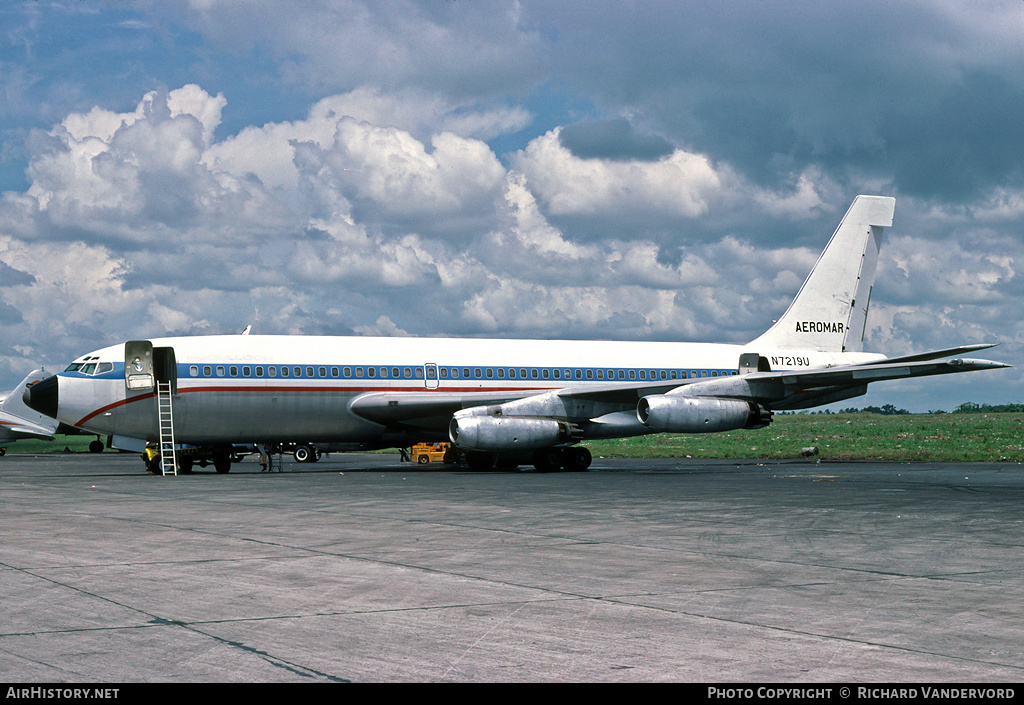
(244, 416)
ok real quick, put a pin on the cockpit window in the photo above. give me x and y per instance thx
(90, 368)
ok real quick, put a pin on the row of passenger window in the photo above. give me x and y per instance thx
(448, 373)
(576, 373)
(304, 372)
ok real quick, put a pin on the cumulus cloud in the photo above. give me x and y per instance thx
(383, 326)
(947, 273)
(420, 113)
(678, 185)
(127, 176)
(337, 208)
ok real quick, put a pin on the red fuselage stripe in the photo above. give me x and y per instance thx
(359, 390)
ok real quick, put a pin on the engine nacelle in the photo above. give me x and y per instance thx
(679, 414)
(503, 433)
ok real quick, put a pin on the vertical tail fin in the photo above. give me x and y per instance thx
(831, 308)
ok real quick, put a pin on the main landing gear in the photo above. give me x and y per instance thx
(220, 458)
(573, 459)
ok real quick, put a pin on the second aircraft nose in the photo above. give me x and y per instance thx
(42, 396)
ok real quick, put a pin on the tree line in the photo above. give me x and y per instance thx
(968, 407)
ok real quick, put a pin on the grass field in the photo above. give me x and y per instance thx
(936, 437)
(75, 444)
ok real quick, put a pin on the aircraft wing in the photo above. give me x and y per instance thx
(800, 389)
(775, 390)
(433, 410)
(873, 372)
(785, 389)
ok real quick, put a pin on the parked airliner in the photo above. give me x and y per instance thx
(17, 421)
(500, 401)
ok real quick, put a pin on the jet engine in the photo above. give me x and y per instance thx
(503, 433)
(679, 414)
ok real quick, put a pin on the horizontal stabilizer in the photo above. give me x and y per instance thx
(25, 428)
(937, 354)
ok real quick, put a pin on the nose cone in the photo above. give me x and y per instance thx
(42, 396)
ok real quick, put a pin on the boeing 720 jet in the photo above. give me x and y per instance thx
(501, 402)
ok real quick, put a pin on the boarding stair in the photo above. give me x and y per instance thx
(165, 412)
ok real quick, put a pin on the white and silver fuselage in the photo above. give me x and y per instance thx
(283, 388)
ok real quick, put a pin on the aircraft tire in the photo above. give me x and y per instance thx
(222, 463)
(548, 459)
(477, 460)
(303, 454)
(507, 461)
(577, 459)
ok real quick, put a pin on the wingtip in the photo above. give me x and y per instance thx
(979, 364)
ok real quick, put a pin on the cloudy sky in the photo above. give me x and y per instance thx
(601, 169)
